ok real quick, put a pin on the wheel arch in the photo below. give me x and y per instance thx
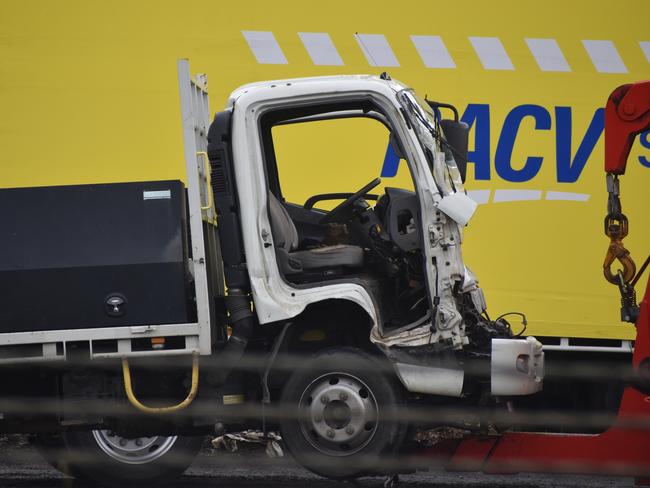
(322, 325)
(329, 323)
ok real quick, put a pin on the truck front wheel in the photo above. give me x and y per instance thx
(342, 414)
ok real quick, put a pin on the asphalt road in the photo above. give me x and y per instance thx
(22, 467)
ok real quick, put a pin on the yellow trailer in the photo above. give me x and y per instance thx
(88, 95)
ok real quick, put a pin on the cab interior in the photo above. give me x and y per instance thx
(334, 218)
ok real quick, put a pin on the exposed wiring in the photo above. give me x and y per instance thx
(435, 133)
(434, 129)
(436, 302)
(524, 322)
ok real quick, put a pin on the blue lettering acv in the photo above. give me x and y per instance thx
(479, 116)
(644, 139)
(568, 169)
(503, 156)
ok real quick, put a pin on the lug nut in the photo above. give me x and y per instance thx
(343, 396)
(138, 442)
(318, 419)
(349, 430)
(330, 433)
(122, 442)
(324, 399)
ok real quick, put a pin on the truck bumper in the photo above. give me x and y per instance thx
(517, 367)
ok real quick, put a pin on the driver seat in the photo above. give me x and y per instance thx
(292, 261)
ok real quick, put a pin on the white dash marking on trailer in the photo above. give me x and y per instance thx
(491, 52)
(567, 196)
(604, 56)
(479, 196)
(516, 195)
(320, 48)
(433, 52)
(264, 47)
(376, 49)
(645, 47)
(548, 55)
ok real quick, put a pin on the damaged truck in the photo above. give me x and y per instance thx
(138, 317)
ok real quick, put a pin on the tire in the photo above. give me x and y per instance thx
(52, 449)
(342, 411)
(111, 460)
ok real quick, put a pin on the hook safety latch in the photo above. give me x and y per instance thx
(616, 228)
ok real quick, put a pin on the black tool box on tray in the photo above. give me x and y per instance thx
(89, 256)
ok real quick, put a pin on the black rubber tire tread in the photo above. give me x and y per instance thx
(98, 467)
(389, 436)
(52, 448)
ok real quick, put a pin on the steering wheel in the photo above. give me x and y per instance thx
(340, 212)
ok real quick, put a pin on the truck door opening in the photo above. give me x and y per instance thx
(316, 160)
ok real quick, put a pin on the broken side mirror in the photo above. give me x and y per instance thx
(457, 135)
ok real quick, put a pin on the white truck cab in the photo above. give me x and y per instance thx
(405, 230)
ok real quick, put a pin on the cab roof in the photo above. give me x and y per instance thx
(315, 85)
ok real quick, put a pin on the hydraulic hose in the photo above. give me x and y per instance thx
(242, 322)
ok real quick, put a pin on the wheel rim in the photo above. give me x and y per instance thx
(338, 414)
(138, 450)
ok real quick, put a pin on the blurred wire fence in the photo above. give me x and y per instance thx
(582, 397)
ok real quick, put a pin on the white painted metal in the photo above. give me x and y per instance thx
(195, 111)
(625, 347)
(49, 340)
(431, 380)
(458, 207)
(517, 366)
(442, 235)
(275, 299)
(69, 335)
(32, 360)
